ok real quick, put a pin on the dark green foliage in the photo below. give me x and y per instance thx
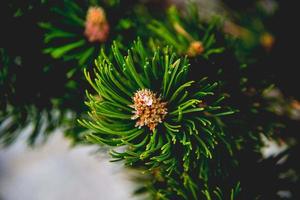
(248, 29)
(34, 87)
(245, 128)
(180, 32)
(65, 39)
(184, 143)
(195, 152)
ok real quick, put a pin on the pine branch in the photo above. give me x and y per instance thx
(184, 136)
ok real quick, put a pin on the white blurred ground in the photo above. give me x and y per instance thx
(55, 171)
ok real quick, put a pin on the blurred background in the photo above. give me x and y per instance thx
(54, 170)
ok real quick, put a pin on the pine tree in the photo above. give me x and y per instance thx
(180, 94)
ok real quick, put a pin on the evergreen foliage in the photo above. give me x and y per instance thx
(184, 143)
(189, 103)
(182, 32)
